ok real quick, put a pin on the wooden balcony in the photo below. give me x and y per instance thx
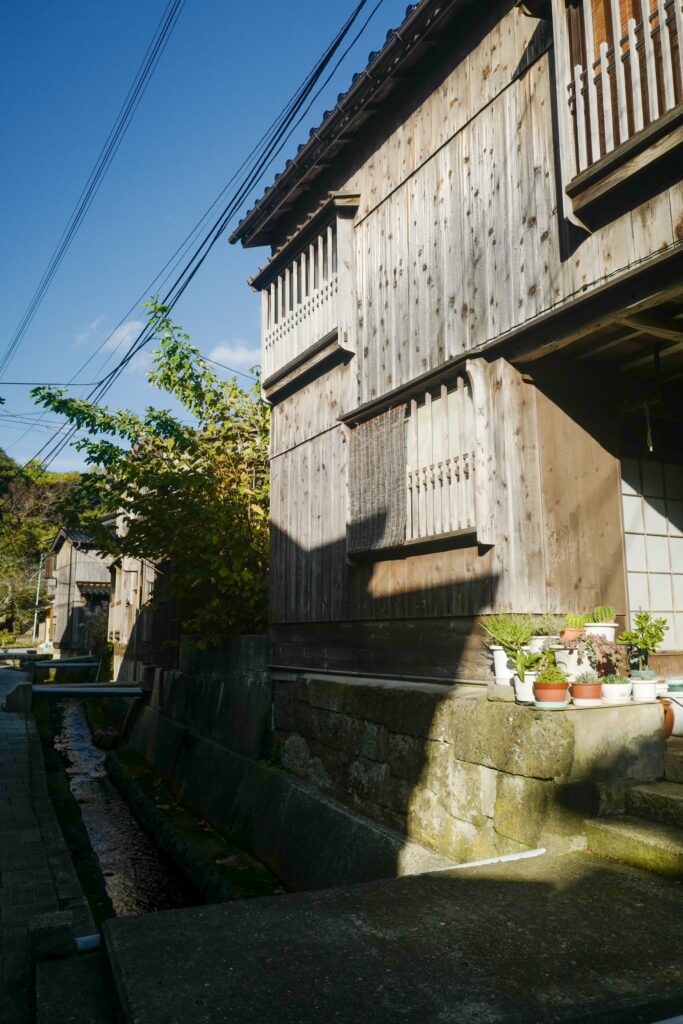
(300, 304)
(625, 93)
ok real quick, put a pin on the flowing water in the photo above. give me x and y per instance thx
(138, 877)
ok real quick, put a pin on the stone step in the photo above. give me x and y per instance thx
(657, 801)
(673, 760)
(73, 991)
(642, 844)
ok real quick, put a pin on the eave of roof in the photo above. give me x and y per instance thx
(404, 46)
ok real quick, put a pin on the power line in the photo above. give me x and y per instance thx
(256, 163)
(102, 164)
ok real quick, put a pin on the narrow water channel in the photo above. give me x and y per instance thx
(138, 877)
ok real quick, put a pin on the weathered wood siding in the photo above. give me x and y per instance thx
(458, 237)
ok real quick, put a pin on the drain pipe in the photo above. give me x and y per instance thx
(88, 943)
(523, 855)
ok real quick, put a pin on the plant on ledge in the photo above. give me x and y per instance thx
(551, 685)
(605, 656)
(548, 625)
(528, 661)
(645, 638)
(603, 613)
(509, 631)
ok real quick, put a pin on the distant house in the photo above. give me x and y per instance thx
(472, 337)
(79, 581)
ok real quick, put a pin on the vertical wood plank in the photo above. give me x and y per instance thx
(590, 81)
(579, 106)
(678, 21)
(622, 103)
(667, 64)
(650, 65)
(608, 115)
(429, 473)
(634, 63)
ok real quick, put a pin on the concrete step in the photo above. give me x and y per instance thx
(73, 991)
(414, 949)
(673, 759)
(657, 801)
(642, 844)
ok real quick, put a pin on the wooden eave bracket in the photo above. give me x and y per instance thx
(344, 203)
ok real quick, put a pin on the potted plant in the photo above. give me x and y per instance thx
(527, 664)
(573, 626)
(550, 687)
(587, 689)
(602, 622)
(572, 655)
(643, 640)
(616, 689)
(508, 633)
(545, 628)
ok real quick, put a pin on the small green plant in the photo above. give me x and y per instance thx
(645, 638)
(576, 621)
(509, 631)
(603, 613)
(528, 661)
(588, 677)
(552, 674)
(614, 680)
(548, 625)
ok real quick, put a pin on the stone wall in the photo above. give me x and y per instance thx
(465, 776)
(331, 782)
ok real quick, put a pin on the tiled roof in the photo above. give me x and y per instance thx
(404, 45)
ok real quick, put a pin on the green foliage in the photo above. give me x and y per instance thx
(576, 621)
(194, 497)
(552, 674)
(614, 680)
(509, 631)
(603, 613)
(645, 638)
(591, 676)
(30, 512)
(528, 661)
(547, 625)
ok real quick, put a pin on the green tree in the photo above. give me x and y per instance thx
(194, 497)
(30, 516)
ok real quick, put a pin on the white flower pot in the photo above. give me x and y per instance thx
(571, 661)
(536, 643)
(677, 708)
(606, 629)
(503, 669)
(616, 693)
(644, 689)
(524, 691)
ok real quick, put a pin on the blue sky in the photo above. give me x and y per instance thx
(66, 67)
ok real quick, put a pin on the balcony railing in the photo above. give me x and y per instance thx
(440, 453)
(300, 304)
(627, 71)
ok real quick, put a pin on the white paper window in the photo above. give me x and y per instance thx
(652, 498)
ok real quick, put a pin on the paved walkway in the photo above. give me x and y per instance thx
(36, 873)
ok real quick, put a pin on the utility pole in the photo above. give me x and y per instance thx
(35, 610)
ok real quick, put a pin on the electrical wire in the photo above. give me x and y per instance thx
(285, 124)
(102, 164)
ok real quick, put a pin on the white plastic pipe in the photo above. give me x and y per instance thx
(523, 855)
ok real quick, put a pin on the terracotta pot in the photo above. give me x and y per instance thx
(587, 691)
(668, 718)
(570, 634)
(551, 692)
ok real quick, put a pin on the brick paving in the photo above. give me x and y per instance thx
(36, 872)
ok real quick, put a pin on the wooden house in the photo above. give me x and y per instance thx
(78, 582)
(472, 337)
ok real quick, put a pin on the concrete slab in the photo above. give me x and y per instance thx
(553, 939)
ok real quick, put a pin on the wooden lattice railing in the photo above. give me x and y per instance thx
(627, 58)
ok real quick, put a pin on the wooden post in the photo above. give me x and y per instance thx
(580, 111)
(590, 81)
(634, 64)
(650, 66)
(622, 104)
(608, 118)
(667, 64)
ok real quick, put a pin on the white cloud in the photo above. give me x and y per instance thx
(87, 334)
(122, 337)
(140, 363)
(239, 354)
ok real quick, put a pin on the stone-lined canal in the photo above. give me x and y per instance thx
(138, 877)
